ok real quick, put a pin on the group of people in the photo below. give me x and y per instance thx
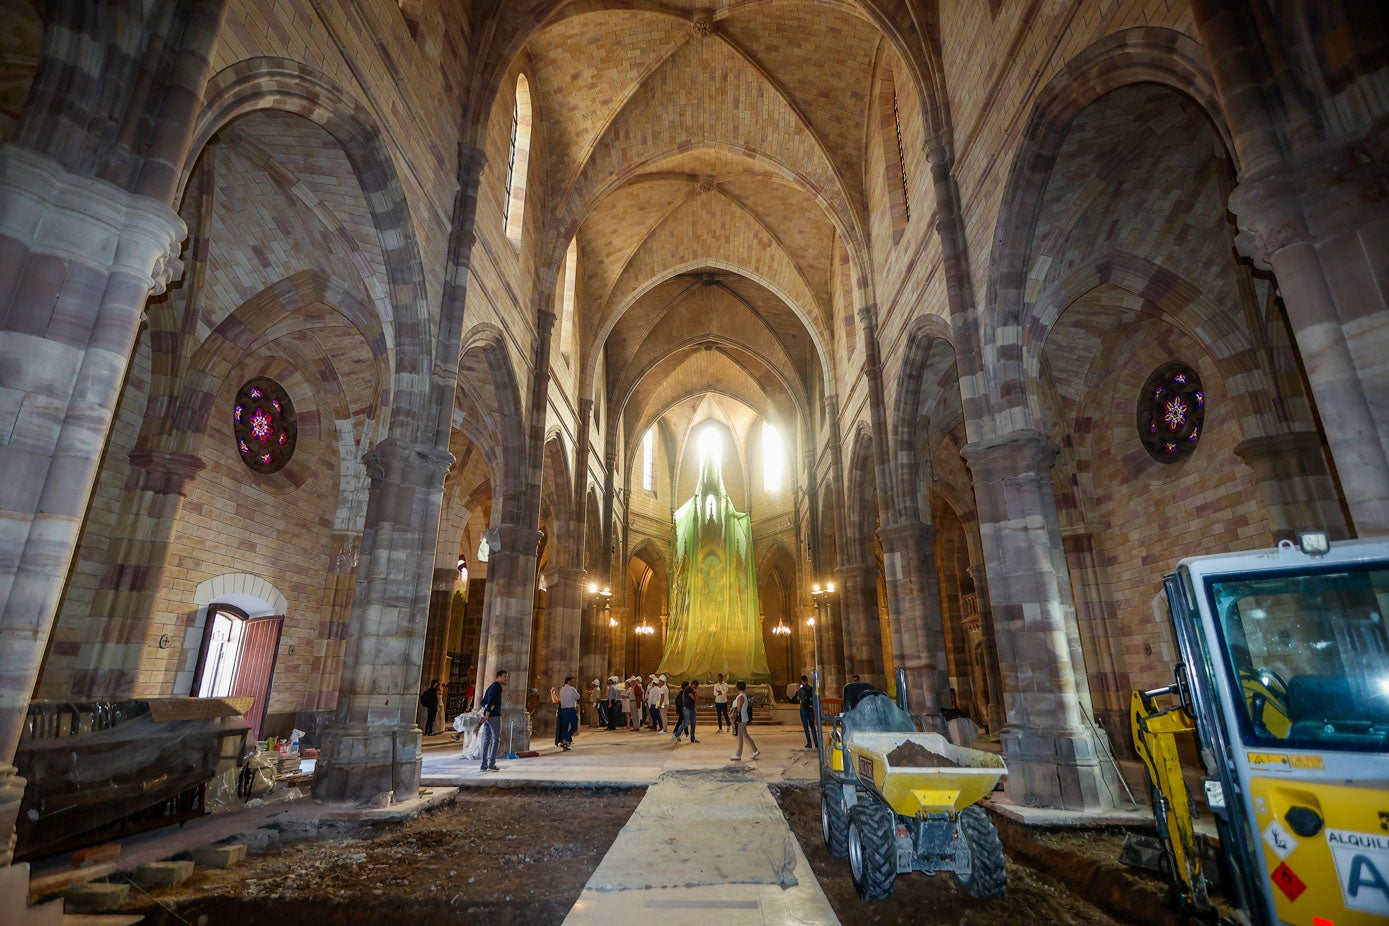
(637, 707)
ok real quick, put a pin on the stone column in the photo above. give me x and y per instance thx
(330, 649)
(829, 628)
(373, 744)
(1053, 759)
(1106, 672)
(506, 625)
(993, 669)
(918, 637)
(863, 644)
(78, 258)
(1298, 489)
(123, 606)
(435, 663)
(559, 646)
(564, 612)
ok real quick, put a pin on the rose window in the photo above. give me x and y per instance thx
(1171, 411)
(263, 423)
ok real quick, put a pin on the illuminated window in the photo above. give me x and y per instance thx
(710, 446)
(1171, 411)
(263, 425)
(518, 160)
(648, 455)
(773, 458)
(566, 314)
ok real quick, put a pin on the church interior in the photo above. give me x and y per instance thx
(347, 346)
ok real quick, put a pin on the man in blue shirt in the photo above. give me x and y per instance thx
(491, 730)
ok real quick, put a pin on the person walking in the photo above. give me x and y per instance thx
(600, 711)
(491, 715)
(688, 708)
(614, 703)
(638, 703)
(742, 712)
(656, 702)
(429, 700)
(680, 722)
(721, 703)
(568, 713)
(805, 696)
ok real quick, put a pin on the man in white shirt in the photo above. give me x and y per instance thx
(721, 703)
(568, 713)
(657, 700)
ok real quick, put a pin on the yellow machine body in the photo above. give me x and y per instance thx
(912, 790)
(1284, 682)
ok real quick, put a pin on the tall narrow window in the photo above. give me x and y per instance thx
(901, 155)
(648, 459)
(566, 314)
(773, 457)
(518, 159)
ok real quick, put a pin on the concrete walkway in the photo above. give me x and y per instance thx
(707, 843)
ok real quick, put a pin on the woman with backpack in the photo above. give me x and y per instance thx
(742, 713)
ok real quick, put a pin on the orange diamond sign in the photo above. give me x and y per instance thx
(1288, 882)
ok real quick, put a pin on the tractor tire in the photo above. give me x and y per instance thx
(834, 820)
(989, 870)
(873, 849)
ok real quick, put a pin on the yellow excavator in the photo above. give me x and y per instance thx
(1284, 682)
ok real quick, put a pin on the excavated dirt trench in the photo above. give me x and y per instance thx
(523, 855)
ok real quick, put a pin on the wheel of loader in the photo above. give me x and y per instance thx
(988, 874)
(834, 821)
(873, 849)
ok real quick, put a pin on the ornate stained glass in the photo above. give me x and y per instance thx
(264, 426)
(1171, 411)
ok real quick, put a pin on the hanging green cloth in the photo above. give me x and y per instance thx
(715, 625)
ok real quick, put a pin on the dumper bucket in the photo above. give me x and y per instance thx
(923, 772)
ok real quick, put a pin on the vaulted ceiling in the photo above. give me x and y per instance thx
(713, 168)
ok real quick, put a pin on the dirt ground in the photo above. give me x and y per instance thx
(523, 855)
(499, 855)
(1032, 897)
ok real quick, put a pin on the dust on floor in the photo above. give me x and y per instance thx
(519, 855)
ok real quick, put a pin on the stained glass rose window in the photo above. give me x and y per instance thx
(1171, 412)
(263, 424)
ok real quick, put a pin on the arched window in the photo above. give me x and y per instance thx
(894, 156)
(773, 457)
(648, 455)
(518, 159)
(566, 312)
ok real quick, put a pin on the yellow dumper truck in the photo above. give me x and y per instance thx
(895, 799)
(1284, 680)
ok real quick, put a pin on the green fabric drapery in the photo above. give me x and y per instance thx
(715, 625)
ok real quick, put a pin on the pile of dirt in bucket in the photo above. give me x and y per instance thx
(911, 754)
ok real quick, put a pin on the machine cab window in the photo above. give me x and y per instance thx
(1309, 655)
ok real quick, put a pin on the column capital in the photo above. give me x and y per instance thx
(51, 211)
(1016, 453)
(471, 160)
(1275, 449)
(162, 472)
(1310, 200)
(907, 534)
(868, 315)
(513, 539)
(392, 459)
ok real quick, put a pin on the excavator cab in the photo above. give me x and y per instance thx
(1284, 679)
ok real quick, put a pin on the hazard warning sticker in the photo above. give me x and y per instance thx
(1288, 882)
(1279, 839)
